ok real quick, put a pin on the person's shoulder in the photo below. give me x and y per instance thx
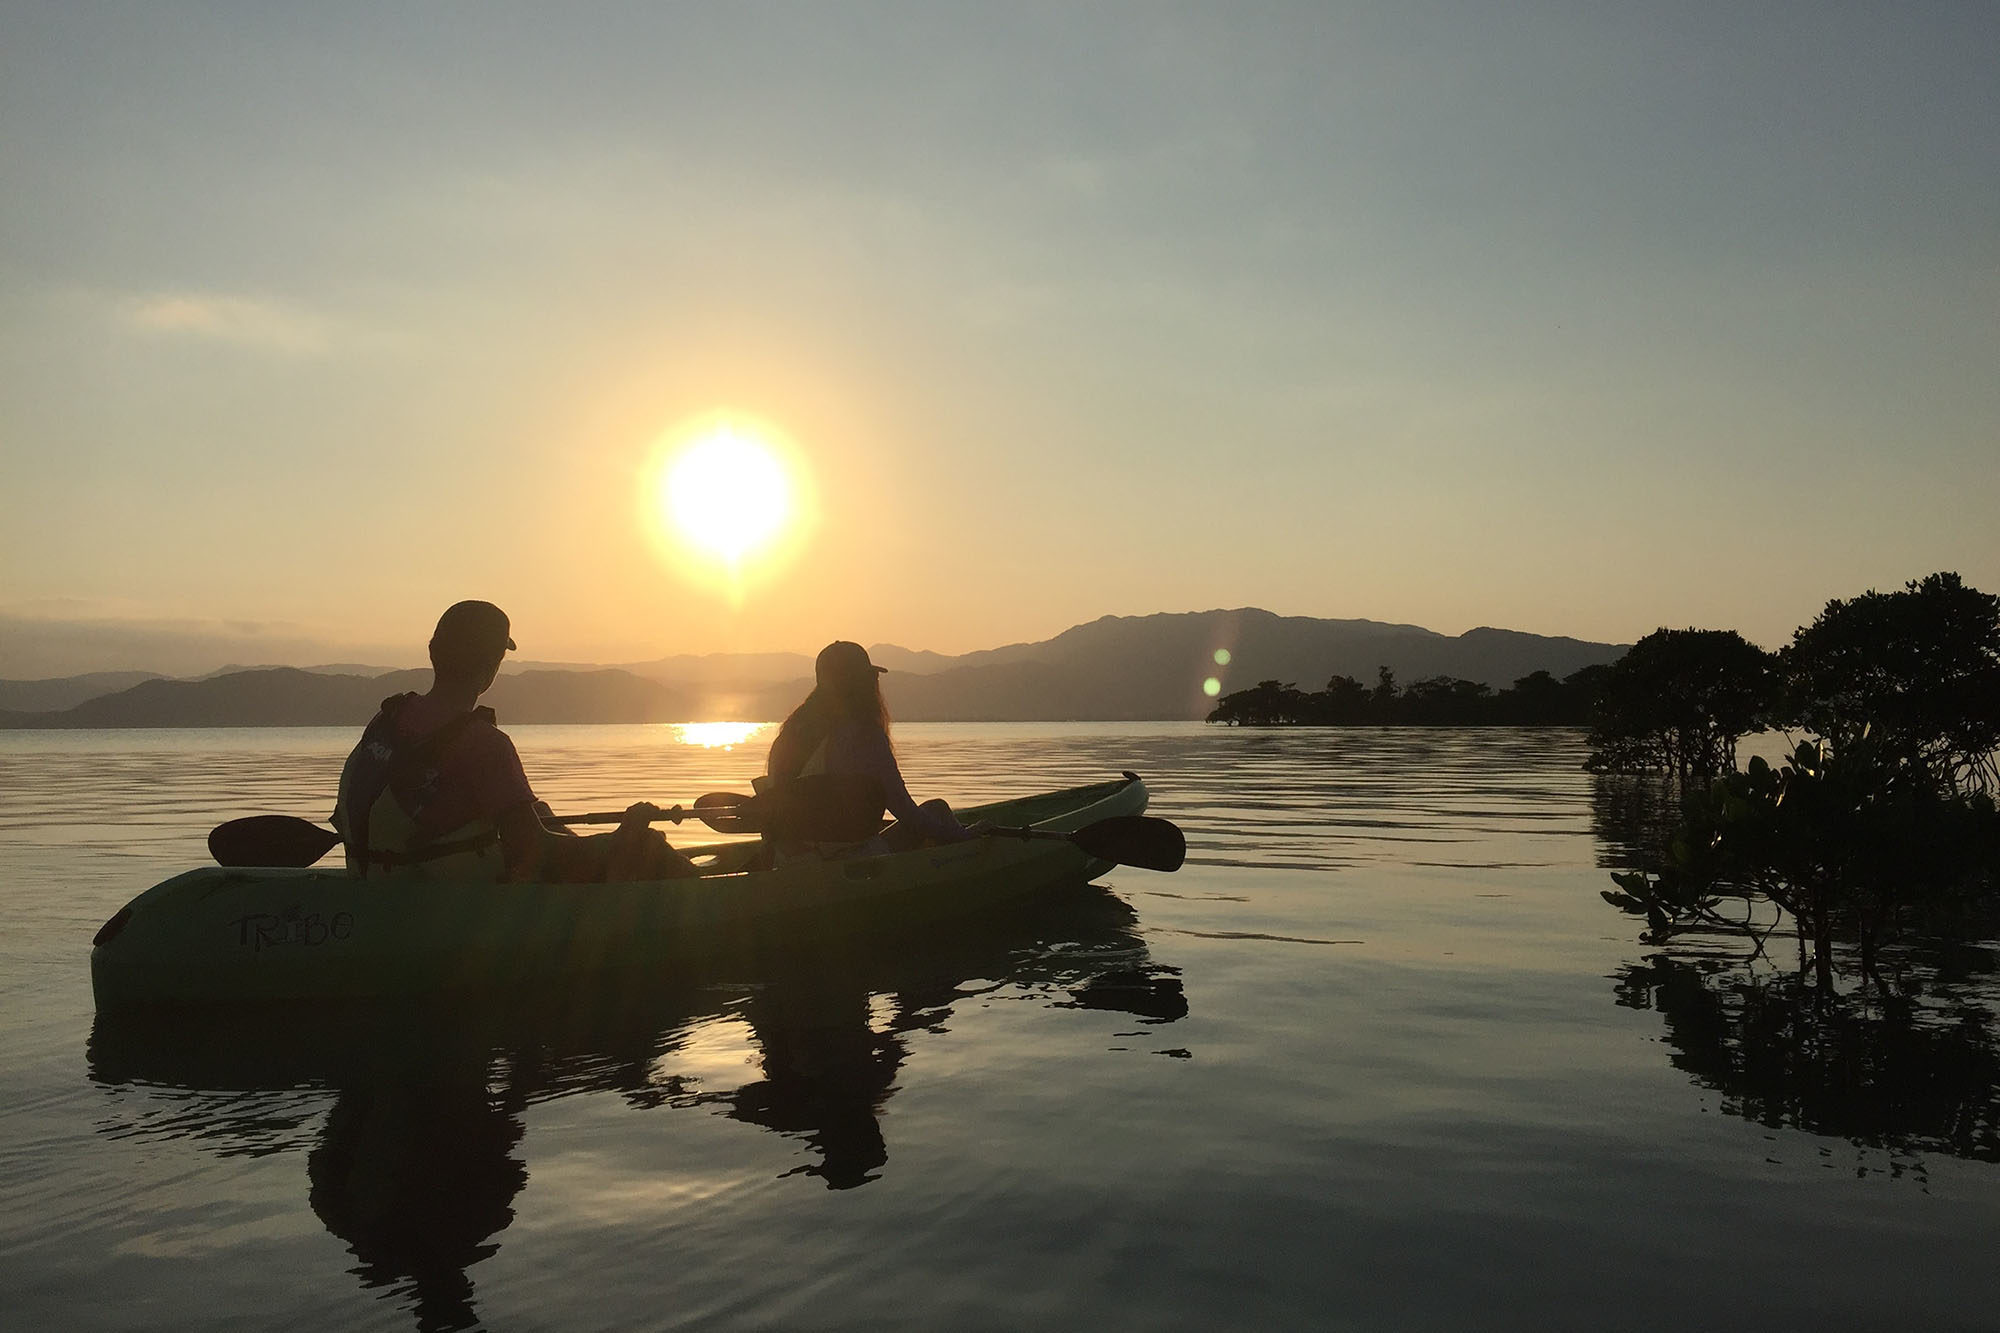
(395, 704)
(864, 735)
(486, 727)
(388, 715)
(484, 738)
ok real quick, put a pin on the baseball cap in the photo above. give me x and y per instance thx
(476, 627)
(841, 660)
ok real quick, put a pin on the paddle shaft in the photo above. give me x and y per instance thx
(672, 814)
(286, 840)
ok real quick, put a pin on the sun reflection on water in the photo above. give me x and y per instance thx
(717, 735)
(718, 1054)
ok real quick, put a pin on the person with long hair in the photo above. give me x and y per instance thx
(842, 729)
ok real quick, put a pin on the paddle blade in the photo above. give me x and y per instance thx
(1134, 840)
(270, 840)
(826, 807)
(727, 812)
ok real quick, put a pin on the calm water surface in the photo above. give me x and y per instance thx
(1378, 1057)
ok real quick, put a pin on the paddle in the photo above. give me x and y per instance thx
(826, 808)
(1127, 840)
(822, 807)
(287, 840)
(270, 840)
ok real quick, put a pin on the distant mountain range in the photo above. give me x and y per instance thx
(1135, 668)
(65, 691)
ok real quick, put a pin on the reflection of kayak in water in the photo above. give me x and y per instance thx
(1077, 948)
(409, 1114)
(221, 934)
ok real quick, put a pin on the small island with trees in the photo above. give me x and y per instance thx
(1537, 700)
(1880, 822)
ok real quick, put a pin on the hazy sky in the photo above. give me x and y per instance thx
(1579, 319)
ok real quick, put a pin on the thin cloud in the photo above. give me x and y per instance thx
(239, 320)
(36, 645)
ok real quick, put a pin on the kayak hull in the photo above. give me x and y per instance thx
(219, 935)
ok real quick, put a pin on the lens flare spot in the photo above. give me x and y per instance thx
(1222, 657)
(1211, 687)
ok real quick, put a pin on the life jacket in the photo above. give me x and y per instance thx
(815, 763)
(386, 784)
(818, 813)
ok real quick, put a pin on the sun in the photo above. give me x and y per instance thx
(726, 494)
(728, 503)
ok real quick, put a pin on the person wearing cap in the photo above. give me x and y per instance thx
(435, 783)
(842, 729)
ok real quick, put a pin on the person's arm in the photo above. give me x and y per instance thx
(529, 849)
(872, 755)
(532, 851)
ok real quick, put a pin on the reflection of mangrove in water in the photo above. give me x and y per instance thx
(1633, 816)
(1912, 1072)
(1908, 1077)
(416, 1166)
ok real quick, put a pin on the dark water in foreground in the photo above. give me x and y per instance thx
(1378, 1057)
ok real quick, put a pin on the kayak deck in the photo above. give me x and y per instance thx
(219, 934)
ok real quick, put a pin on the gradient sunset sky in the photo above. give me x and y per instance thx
(1579, 319)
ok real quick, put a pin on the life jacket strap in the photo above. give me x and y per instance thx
(434, 851)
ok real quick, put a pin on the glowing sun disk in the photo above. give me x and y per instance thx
(727, 494)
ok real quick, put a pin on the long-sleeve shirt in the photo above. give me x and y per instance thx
(859, 748)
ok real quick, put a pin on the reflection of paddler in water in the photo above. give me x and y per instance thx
(418, 1178)
(415, 1164)
(827, 1073)
(418, 1163)
(830, 1064)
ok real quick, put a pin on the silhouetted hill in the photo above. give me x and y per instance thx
(272, 697)
(1029, 692)
(604, 695)
(1152, 667)
(917, 662)
(1197, 634)
(290, 697)
(1143, 668)
(744, 672)
(66, 691)
(720, 671)
(317, 668)
(1117, 668)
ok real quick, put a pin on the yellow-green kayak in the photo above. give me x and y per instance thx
(220, 934)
